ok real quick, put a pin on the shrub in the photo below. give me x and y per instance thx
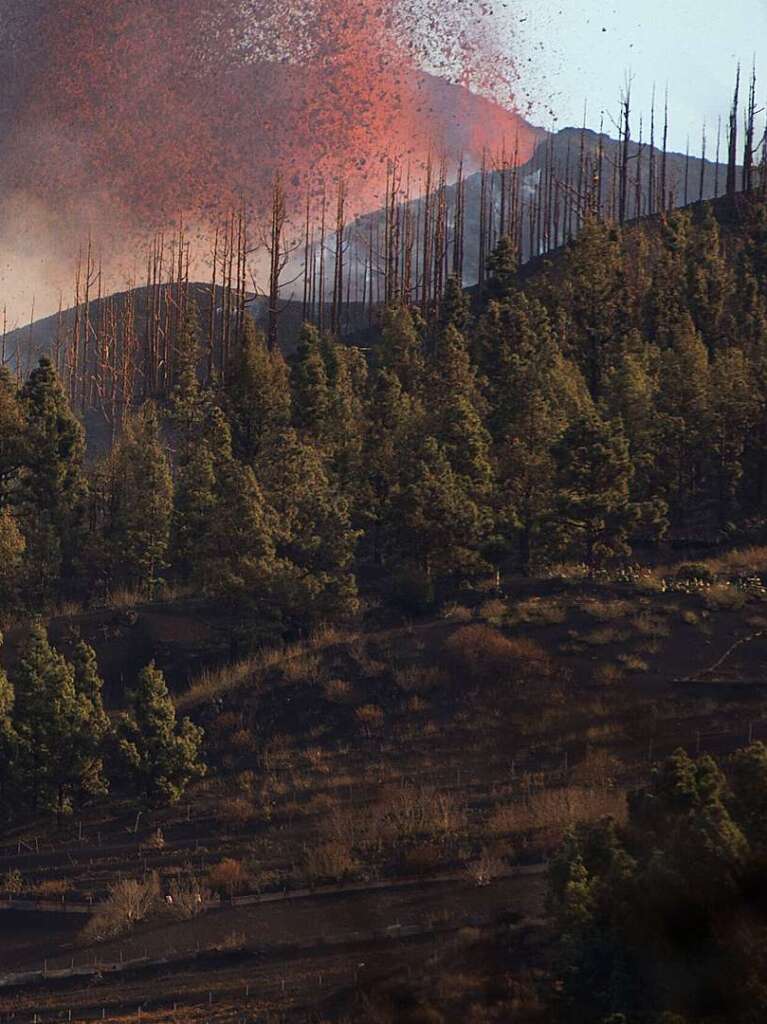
(12, 882)
(406, 812)
(724, 597)
(331, 859)
(130, 901)
(633, 663)
(418, 678)
(456, 613)
(650, 625)
(479, 652)
(559, 809)
(486, 868)
(236, 810)
(53, 888)
(370, 717)
(606, 610)
(539, 611)
(337, 690)
(608, 674)
(228, 877)
(187, 897)
(598, 768)
(694, 572)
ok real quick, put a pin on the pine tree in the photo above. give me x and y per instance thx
(139, 531)
(684, 423)
(630, 394)
(222, 526)
(12, 436)
(454, 307)
(162, 756)
(393, 422)
(536, 393)
(401, 348)
(52, 492)
(8, 744)
(594, 508)
(309, 382)
(502, 265)
(708, 279)
(185, 397)
(434, 522)
(595, 299)
(12, 548)
(258, 399)
(734, 407)
(59, 729)
(314, 538)
(666, 306)
(344, 432)
(93, 721)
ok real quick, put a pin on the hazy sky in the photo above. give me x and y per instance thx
(576, 50)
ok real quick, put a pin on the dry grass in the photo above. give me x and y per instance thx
(493, 611)
(651, 626)
(723, 597)
(235, 810)
(483, 653)
(212, 682)
(539, 611)
(486, 868)
(53, 888)
(558, 809)
(632, 663)
(608, 674)
(742, 561)
(332, 859)
(228, 877)
(456, 613)
(606, 609)
(299, 662)
(603, 636)
(370, 717)
(418, 678)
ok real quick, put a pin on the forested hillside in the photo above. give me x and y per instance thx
(419, 603)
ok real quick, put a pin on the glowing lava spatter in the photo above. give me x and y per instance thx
(122, 114)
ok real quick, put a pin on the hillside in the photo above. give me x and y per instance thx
(384, 682)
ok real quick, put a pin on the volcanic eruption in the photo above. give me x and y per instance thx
(120, 115)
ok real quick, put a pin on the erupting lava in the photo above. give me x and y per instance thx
(118, 115)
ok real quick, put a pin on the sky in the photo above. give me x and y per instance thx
(571, 51)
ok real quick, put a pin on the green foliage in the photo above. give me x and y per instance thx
(594, 510)
(161, 755)
(313, 534)
(142, 501)
(52, 491)
(656, 921)
(59, 723)
(434, 520)
(257, 397)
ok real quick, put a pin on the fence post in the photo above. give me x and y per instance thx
(697, 743)
(750, 733)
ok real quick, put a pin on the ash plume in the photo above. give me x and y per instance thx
(121, 116)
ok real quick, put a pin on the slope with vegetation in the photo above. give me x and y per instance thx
(394, 621)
